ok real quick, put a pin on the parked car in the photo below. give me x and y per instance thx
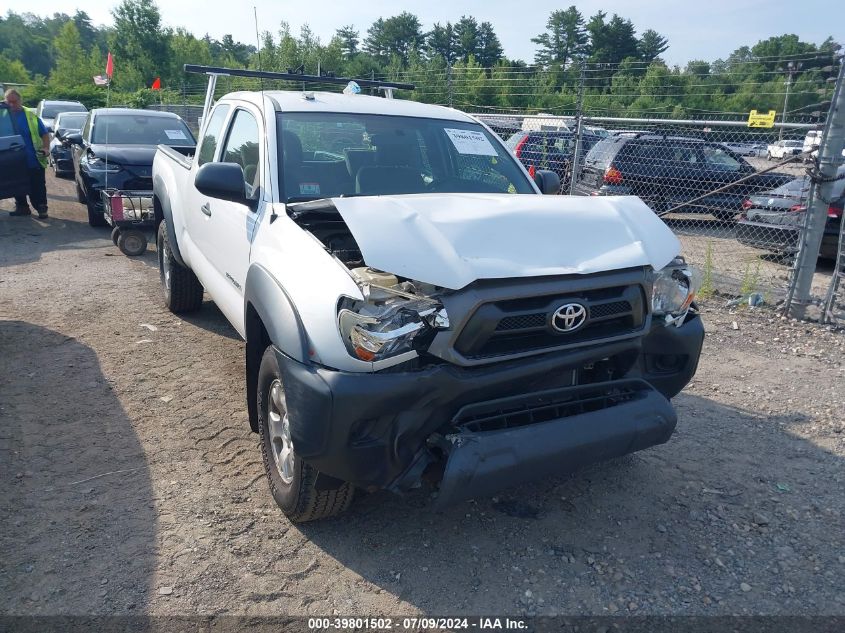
(550, 149)
(783, 149)
(48, 110)
(14, 175)
(412, 305)
(670, 171)
(61, 157)
(115, 150)
(772, 220)
(747, 149)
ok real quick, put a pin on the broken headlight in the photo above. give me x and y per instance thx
(673, 291)
(380, 328)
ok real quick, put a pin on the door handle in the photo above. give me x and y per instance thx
(206, 209)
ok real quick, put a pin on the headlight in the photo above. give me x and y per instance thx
(673, 291)
(373, 330)
(95, 163)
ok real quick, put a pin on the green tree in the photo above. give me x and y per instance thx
(349, 40)
(71, 67)
(565, 38)
(466, 38)
(140, 44)
(13, 71)
(398, 36)
(441, 42)
(651, 45)
(489, 50)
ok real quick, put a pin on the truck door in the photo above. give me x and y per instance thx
(226, 228)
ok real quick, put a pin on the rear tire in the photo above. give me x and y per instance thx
(292, 480)
(182, 290)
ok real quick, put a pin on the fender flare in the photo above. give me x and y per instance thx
(162, 202)
(270, 318)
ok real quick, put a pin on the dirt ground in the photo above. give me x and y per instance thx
(133, 485)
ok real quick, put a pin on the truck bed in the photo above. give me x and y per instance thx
(182, 156)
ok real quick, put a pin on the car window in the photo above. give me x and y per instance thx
(718, 158)
(141, 129)
(602, 153)
(208, 145)
(71, 120)
(242, 147)
(51, 111)
(332, 154)
(86, 130)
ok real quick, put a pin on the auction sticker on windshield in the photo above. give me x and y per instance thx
(176, 135)
(470, 142)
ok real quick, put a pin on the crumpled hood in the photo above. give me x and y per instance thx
(125, 154)
(451, 240)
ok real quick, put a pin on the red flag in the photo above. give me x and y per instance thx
(109, 66)
(156, 84)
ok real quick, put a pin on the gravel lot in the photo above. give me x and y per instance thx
(132, 484)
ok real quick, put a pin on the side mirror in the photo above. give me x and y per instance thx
(222, 180)
(547, 181)
(74, 138)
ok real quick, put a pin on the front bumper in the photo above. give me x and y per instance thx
(375, 430)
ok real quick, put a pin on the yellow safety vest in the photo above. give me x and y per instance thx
(32, 123)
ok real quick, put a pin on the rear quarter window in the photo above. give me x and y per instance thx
(602, 153)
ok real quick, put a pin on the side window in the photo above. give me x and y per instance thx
(86, 130)
(242, 145)
(718, 158)
(210, 140)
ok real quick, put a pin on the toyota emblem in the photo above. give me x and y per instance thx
(569, 317)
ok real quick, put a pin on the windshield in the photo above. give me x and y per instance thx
(71, 121)
(338, 154)
(123, 129)
(51, 111)
(793, 144)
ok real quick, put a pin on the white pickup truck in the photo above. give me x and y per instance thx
(414, 309)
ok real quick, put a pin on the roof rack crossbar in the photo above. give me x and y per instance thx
(264, 74)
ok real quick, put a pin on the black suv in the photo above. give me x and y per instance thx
(667, 171)
(549, 149)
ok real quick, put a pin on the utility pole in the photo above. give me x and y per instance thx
(579, 124)
(791, 69)
(823, 179)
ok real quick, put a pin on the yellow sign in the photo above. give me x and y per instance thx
(756, 119)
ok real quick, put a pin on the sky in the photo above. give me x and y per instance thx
(695, 30)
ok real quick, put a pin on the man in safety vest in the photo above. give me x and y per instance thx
(34, 133)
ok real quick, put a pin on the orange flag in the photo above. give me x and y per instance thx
(156, 84)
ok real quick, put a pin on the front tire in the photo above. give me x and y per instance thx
(95, 216)
(182, 290)
(80, 194)
(292, 481)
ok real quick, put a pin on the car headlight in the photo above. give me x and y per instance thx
(673, 291)
(95, 163)
(376, 329)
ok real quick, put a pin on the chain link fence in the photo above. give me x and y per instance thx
(734, 196)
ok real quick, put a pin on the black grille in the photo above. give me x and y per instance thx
(522, 322)
(514, 326)
(545, 406)
(601, 310)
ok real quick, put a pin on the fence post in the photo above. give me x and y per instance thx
(823, 177)
(579, 116)
(449, 82)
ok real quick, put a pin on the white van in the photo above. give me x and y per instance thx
(811, 143)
